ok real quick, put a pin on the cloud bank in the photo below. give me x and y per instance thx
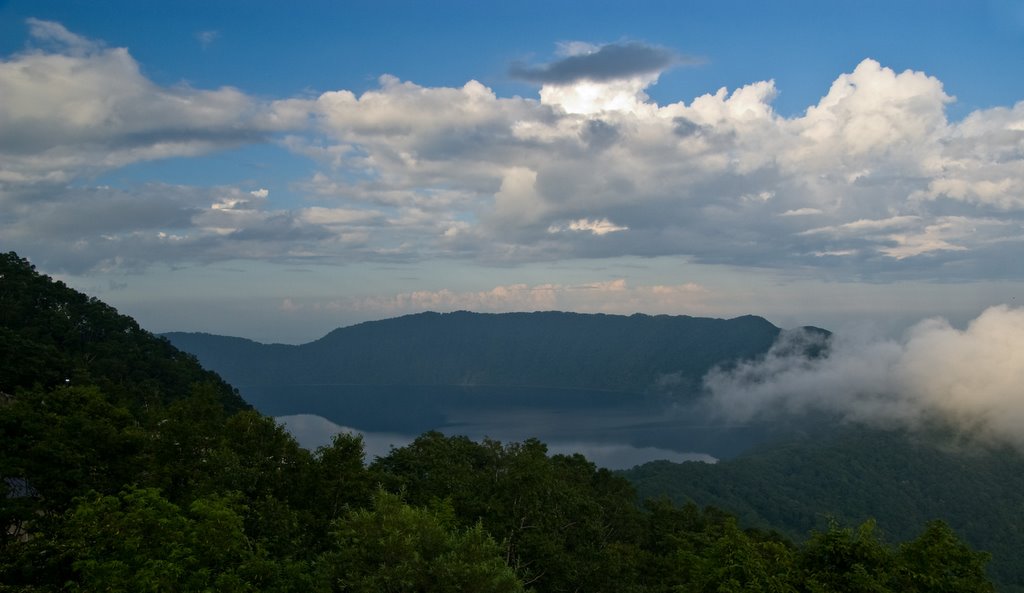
(872, 182)
(936, 375)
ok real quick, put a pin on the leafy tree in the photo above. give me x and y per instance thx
(60, 443)
(259, 458)
(138, 541)
(696, 550)
(340, 484)
(733, 562)
(937, 561)
(186, 438)
(558, 518)
(396, 548)
(846, 560)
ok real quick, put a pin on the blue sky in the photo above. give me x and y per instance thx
(275, 170)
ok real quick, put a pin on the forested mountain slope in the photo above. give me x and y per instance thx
(51, 334)
(638, 353)
(900, 479)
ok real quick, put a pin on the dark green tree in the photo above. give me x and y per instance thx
(140, 541)
(560, 520)
(845, 560)
(937, 561)
(56, 444)
(396, 548)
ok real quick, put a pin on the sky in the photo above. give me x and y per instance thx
(275, 170)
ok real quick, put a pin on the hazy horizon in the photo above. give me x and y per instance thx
(888, 326)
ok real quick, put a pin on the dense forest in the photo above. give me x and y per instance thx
(125, 467)
(854, 474)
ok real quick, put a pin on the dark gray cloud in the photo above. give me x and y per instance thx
(684, 127)
(78, 213)
(85, 230)
(611, 62)
(598, 134)
(281, 227)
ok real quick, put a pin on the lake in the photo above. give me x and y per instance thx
(613, 429)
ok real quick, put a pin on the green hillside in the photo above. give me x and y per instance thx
(901, 480)
(52, 335)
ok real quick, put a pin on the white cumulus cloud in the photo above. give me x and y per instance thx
(721, 179)
(78, 107)
(873, 181)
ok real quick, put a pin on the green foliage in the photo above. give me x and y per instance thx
(556, 516)
(342, 479)
(692, 549)
(66, 441)
(844, 560)
(51, 334)
(857, 474)
(393, 547)
(138, 541)
(938, 561)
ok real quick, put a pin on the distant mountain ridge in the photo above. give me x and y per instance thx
(636, 353)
